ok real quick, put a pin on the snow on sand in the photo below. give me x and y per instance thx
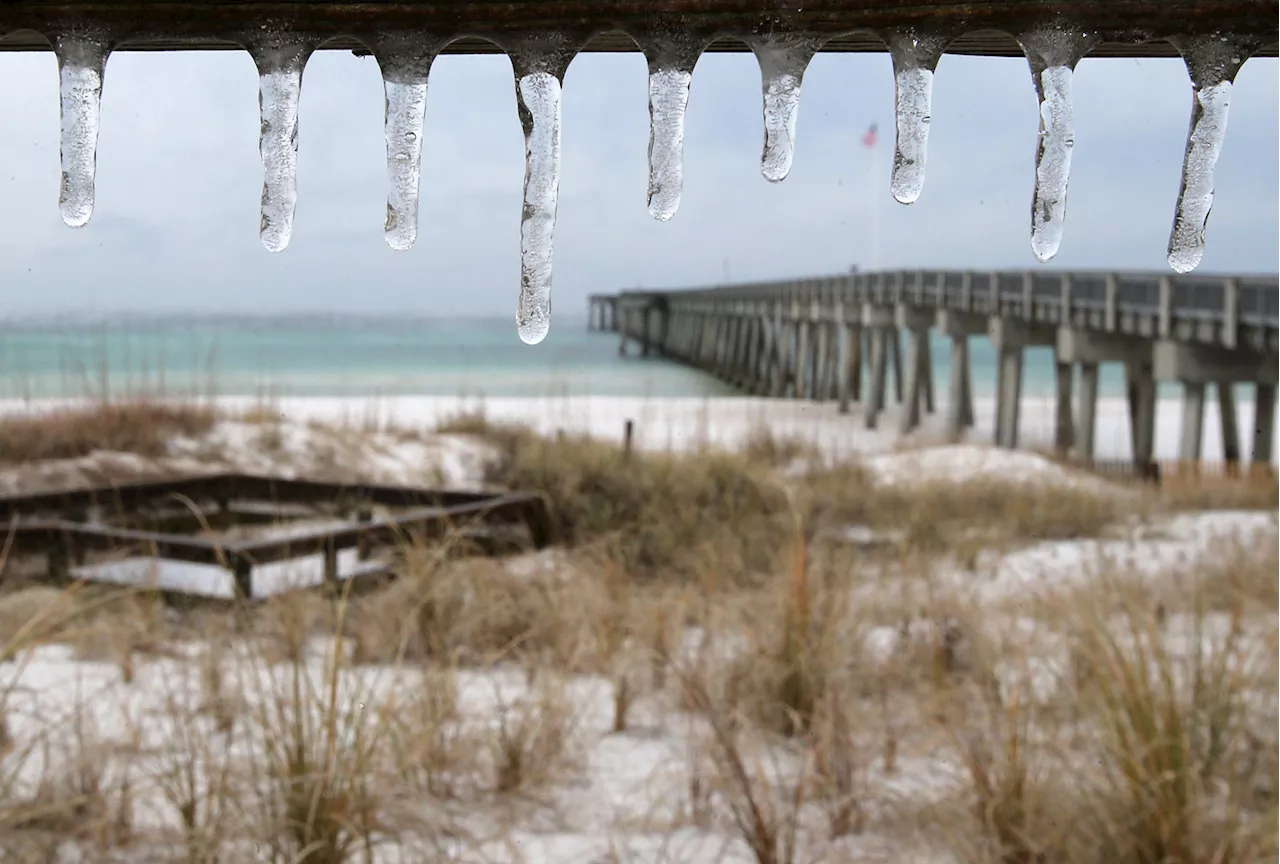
(684, 423)
(626, 800)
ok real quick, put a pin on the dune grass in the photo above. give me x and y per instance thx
(679, 515)
(706, 600)
(141, 427)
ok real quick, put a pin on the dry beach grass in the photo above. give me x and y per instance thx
(142, 427)
(729, 657)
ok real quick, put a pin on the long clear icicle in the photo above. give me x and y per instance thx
(914, 59)
(668, 99)
(1195, 192)
(538, 94)
(1053, 57)
(1212, 63)
(279, 92)
(1053, 160)
(82, 63)
(782, 66)
(406, 97)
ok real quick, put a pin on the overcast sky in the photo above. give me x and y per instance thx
(179, 179)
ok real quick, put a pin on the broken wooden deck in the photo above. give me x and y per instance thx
(164, 534)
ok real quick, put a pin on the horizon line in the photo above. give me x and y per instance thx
(284, 315)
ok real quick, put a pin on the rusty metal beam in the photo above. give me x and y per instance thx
(1129, 28)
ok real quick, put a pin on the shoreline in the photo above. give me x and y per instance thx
(679, 423)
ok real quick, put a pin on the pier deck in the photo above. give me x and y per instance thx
(837, 338)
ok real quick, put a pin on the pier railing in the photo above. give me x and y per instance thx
(808, 339)
(1232, 310)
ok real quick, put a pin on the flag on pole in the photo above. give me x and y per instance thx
(869, 140)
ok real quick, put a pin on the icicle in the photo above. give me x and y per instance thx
(782, 66)
(279, 91)
(1212, 63)
(914, 59)
(81, 65)
(538, 95)
(668, 99)
(1053, 56)
(672, 52)
(406, 96)
(1053, 160)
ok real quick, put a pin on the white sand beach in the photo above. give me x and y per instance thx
(676, 423)
(657, 791)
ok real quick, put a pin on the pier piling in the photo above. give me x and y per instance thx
(840, 338)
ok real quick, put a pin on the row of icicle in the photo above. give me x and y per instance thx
(1053, 54)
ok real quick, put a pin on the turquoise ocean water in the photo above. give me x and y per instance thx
(362, 357)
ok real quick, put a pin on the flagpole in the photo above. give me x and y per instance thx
(875, 207)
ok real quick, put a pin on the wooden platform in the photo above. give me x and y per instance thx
(187, 555)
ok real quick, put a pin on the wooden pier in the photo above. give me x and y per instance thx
(837, 338)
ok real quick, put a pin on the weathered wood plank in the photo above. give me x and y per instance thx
(434, 522)
(435, 513)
